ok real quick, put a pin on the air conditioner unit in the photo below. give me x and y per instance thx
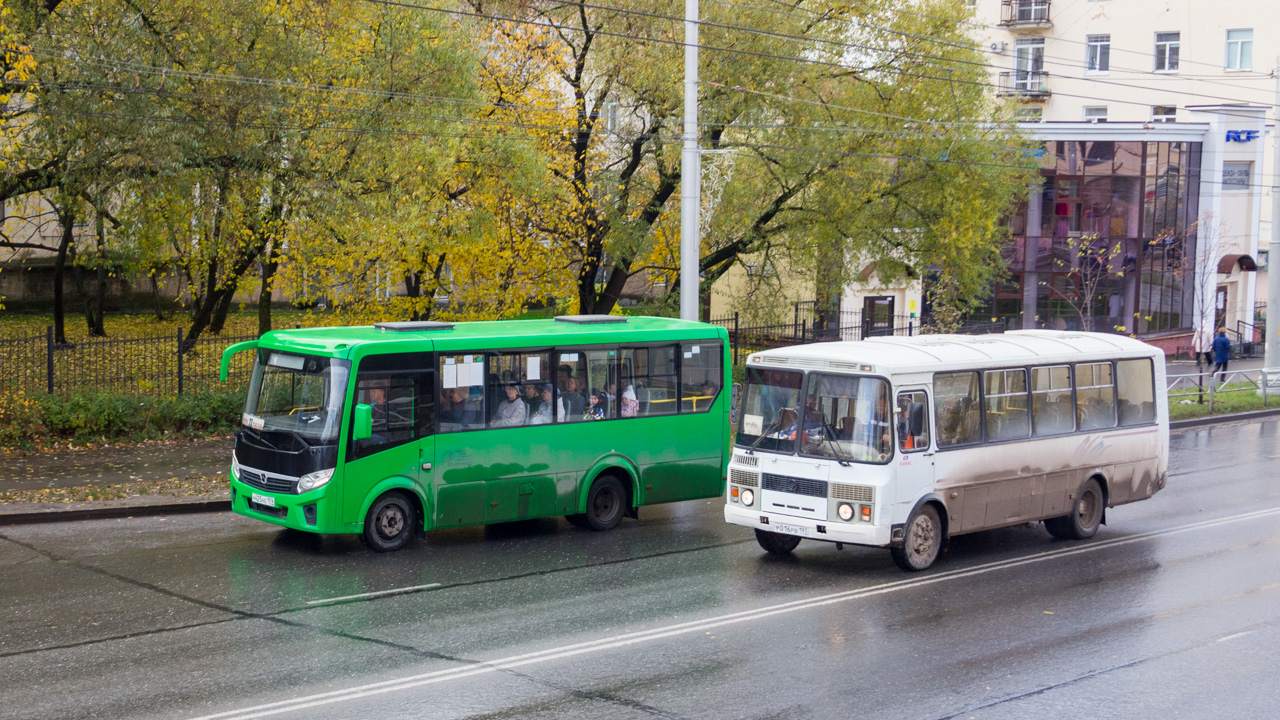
(998, 47)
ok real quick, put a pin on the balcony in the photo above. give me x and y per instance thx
(1024, 83)
(1027, 14)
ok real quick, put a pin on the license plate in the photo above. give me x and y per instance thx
(790, 529)
(263, 500)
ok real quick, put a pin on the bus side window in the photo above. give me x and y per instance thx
(913, 420)
(700, 375)
(956, 405)
(656, 381)
(462, 398)
(628, 397)
(1095, 396)
(1051, 404)
(1006, 405)
(1136, 386)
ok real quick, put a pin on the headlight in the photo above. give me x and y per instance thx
(845, 511)
(235, 465)
(748, 497)
(313, 480)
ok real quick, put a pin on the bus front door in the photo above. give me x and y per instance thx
(913, 466)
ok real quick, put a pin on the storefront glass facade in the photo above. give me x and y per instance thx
(1106, 244)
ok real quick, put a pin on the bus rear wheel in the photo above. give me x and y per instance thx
(776, 543)
(922, 543)
(390, 523)
(1085, 517)
(606, 503)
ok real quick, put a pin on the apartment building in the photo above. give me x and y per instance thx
(1157, 118)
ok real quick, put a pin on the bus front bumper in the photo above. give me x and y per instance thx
(308, 512)
(826, 531)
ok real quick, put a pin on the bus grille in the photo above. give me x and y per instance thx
(798, 486)
(748, 460)
(855, 493)
(745, 478)
(256, 479)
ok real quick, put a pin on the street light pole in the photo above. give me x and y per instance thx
(1272, 343)
(690, 171)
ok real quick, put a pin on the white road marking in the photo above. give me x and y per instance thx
(378, 593)
(1233, 637)
(617, 641)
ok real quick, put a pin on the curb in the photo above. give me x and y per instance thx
(1251, 416)
(49, 516)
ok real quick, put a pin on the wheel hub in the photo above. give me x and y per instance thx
(390, 522)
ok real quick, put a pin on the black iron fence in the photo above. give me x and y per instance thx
(150, 365)
(808, 326)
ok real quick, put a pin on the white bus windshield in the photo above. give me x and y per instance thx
(769, 407)
(847, 418)
(297, 394)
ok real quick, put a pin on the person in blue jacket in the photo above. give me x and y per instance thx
(1221, 352)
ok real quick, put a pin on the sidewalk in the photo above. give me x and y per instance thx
(115, 481)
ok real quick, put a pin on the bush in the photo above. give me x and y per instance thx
(33, 421)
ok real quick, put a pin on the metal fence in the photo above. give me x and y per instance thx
(1207, 386)
(807, 326)
(150, 365)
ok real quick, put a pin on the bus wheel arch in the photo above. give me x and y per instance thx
(607, 501)
(1088, 512)
(391, 521)
(923, 535)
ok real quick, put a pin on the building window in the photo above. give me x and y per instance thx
(1095, 114)
(1164, 113)
(1239, 50)
(1030, 114)
(1098, 58)
(1028, 65)
(1167, 47)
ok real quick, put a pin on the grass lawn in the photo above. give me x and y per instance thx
(1224, 402)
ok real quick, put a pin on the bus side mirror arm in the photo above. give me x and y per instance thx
(363, 422)
(231, 351)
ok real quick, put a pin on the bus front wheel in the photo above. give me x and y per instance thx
(1085, 517)
(923, 540)
(606, 503)
(390, 523)
(776, 543)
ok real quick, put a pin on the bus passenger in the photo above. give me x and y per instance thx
(574, 403)
(512, 411)
(542, 416)
(630, 405)
(454, 409)
(531, 396)
(596, 411)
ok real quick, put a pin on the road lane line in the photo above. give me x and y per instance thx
(1234, 636)
(378, 593)
(618, 641)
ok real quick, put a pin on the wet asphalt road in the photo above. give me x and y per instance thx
(1171, 611)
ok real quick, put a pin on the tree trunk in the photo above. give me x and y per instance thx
(268, 286)
(97, 327)
(155, 292)
(77, 278)
(67, 218)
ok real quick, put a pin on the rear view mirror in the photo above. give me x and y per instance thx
(735, 395)
(363, 422)
(916, 419)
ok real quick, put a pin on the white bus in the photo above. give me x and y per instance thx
(902, 442)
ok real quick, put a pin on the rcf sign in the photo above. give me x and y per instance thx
(1242, 135)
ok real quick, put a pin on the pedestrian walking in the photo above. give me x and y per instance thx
(1221, 353)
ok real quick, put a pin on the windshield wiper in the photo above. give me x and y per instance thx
(835, 449)
(751, 449)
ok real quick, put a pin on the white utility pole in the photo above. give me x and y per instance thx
(690, 171)
(1273, 252)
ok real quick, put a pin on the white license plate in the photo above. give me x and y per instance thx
(263, 500)
(790, 529)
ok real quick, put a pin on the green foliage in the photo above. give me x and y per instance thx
(34, 421)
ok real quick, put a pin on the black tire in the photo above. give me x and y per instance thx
(922, 543)
(390, 524)
(578, 521)
(1085, 517)
(606, 503)
(776, 543)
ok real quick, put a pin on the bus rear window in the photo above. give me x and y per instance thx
(770, 404)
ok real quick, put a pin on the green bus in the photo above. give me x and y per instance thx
(403, 427)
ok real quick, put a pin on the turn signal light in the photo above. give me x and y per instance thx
(866, 514)
(733, 493)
